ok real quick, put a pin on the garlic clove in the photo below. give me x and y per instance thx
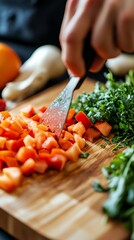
(121, 64)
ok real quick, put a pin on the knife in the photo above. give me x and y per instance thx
(55, 115)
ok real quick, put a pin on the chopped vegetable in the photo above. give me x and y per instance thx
(28, 167)
(41, 166)
(103, 127)
(77, 128)
(84, 155)
(91, 134)
(57, 160)
(28, 111)
(102, 146)
(73, 152)
(82, 117)
(27, 146)
(10, 178)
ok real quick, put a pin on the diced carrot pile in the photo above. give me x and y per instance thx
(27, 146)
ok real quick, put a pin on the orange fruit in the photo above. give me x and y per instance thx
(10, 64)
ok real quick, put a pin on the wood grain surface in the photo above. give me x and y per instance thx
(61, 206)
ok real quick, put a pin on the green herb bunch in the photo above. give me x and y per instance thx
(113, 103)
(120, 176)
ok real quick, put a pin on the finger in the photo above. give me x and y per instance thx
(69, 12)
(103, 35)
(97, 64)
(74, 35)
(125, 30)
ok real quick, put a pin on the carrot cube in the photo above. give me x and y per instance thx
(2, 142)
(28, 111)
(104, 127)
(28, 167)
(25, 153)
(91, 134)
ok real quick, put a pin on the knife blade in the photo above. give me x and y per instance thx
(55, 115)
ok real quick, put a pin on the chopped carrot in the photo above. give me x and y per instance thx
(22, 122)
(10, 134)
(91, 134)
(104, 127)
(41, 166)
(24, 133)
(73, 152)
(28, 111)
(50, 143)
(82, 117)
(58, 151)
(6, 183)
(10, 178)
(42, 108)
(29, 141)
(2, 142)
(42, 127)
(40, 138)
(12, 145)
(11, 162)
(71, 114)
(20, 143)
(4, 114)
(43, 155)
(16, 126)
(68, 136)
(77, 128)
(15, 174)
(36, 118)
(4, 154)
(64, 144)
(28, 167)
(6, 123)
(57, 161)
(80, 141)
(25, 153)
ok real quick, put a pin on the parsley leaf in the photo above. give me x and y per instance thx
(120, 175)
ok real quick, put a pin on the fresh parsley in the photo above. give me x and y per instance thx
(113, 103)
(84, 155)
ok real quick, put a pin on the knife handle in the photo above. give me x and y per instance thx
(88, 55)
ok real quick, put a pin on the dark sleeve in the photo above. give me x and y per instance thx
(28, 24)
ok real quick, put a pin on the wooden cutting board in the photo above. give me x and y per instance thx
(61, 206)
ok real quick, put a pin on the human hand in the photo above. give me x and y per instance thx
(111, 23)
